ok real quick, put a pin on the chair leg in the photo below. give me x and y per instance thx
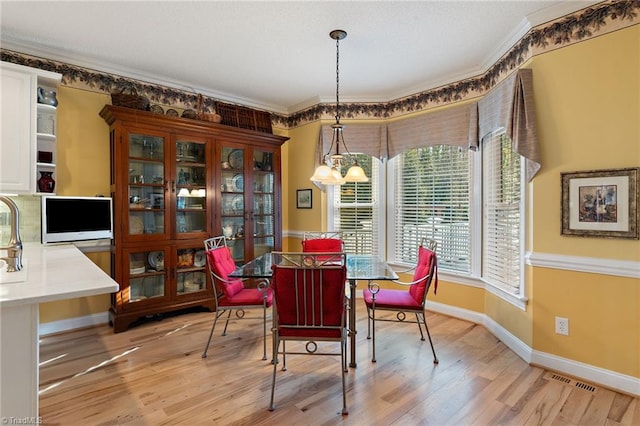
(213, 327)
(264, 332)
(373, 333)
(420, 325)
(343, 355)
(224, 332)
(275, 367)
(284, 355)
(368, 323)
(435, 358)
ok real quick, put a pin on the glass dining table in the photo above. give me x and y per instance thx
(360, 267)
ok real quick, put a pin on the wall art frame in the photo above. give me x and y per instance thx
(304, 199)
(601, 203)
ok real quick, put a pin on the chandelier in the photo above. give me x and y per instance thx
(329, 172)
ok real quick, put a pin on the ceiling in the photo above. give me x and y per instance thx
(277, 55)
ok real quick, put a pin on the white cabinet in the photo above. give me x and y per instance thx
(27, 128)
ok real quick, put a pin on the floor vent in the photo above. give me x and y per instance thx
(570, 382)
(586, 387)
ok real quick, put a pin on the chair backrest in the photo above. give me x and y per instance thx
(314, 242)
(309, 291)
(220, 263)
(425, 272)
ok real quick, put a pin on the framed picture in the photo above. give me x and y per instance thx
(303, 198)
(601, 203)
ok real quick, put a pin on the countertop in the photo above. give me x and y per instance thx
(54, 272)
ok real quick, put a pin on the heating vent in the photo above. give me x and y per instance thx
(570, 382)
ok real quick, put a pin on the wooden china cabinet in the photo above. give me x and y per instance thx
(175, 182)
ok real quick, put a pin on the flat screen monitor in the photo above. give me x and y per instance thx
(66, 218)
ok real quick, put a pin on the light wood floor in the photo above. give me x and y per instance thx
(153, 374)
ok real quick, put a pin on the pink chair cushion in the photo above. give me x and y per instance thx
(248, 297)
(322, 245)
(391, 299)
(426, 259)
(414, 298)
(222, 264)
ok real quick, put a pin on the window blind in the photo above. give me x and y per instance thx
(502, 250)
(356, 208)
(432, 200)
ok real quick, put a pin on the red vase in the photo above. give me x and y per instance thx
(46, 183)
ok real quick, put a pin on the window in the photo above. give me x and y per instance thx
(355, 207)
(435, 192)
(502, 248)
(432, 199)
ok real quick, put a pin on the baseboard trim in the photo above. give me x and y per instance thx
(610, 379)
(620, 382)
(73, 323)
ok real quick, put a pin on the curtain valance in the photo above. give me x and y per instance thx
(509, 105)
(457, 125)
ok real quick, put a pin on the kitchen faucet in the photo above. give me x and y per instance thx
(14, 249)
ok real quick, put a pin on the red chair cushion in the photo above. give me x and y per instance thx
(302, 306)
(222, 264)
(322, 245)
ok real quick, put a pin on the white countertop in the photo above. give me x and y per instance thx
(54, 272)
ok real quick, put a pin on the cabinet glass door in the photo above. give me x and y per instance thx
(232, 196)
(263, 203)
(146, 185)
(191, 271)
(147, 276)
(191, 187)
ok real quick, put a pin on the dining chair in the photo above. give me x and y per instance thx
(230, 293)
(411, 300)
(320, 241)
(310, 307)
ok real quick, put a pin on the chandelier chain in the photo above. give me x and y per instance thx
(338, 80)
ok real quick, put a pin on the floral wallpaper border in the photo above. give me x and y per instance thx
(582, 25)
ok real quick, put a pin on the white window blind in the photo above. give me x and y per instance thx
(355, 209)
(502, 251)
(432, 199)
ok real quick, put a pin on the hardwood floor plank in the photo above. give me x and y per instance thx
(153, 374)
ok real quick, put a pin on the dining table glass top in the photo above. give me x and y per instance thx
(359, 267)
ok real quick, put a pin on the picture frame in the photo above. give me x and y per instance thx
(601, 203)
(304, 198)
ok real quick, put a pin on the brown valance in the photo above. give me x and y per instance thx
(456, 125)
(509, 105)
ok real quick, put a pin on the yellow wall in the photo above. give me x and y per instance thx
(301, 149)
(82, 169)
(588, 104)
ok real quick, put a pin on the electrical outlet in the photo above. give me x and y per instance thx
(562, 326)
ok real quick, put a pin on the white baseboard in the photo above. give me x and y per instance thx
(73, 323)
(610, 379)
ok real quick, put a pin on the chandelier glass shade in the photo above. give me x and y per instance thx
(329, 172)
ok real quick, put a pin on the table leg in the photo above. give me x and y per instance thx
(352, 322)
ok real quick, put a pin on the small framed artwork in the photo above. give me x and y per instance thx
(303, 198)
(601, 203)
